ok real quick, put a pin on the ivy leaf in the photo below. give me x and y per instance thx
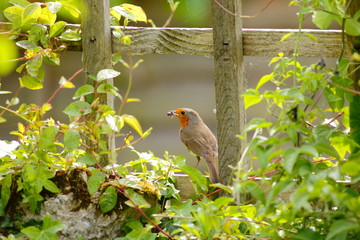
(71, 139)
(108, 199)
(49, 229)
(95, 181)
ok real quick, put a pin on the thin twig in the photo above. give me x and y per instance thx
(243, 16)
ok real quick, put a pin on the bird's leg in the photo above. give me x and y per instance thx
(198, 159)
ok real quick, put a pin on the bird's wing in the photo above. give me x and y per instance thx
(200, 144)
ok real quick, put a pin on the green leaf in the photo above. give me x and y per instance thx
(35, 34)
(54, 7)
(352, 27)
(133, 122)
(30, 82)
(322, 19)
(95, 180)
(106, 73)
(77, 109)
(26, 44)
(71, 139)
(47, 136)
(48, 232)
(322, 133)
(14, 15)
(87, 159)
(290, 157)
(196, 176)
(57, 28)
(20, 3)
(342, 145)
(107, 88)
(6, 190)
(257, 123)
(286, 36)
(31, 13)
(255, 190)
(71, 35)
(264, 79)
(83, 90)
(34, 65)
(124, 12)
(342, 226)
(311, 36)
(136, 11)
(129, 183)
(47, 17)
(50, 186)
(136, 199)
(251, 97)
(108, 199)
(309, 150)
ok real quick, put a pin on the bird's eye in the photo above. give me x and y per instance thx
(182, 112)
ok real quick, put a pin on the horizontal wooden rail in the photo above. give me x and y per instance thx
(257, 42)
(198, 41)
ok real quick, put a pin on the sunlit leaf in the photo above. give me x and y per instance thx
(57, 28)
(133, 123)
(30, 82)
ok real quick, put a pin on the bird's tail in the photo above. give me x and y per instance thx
(213, 170)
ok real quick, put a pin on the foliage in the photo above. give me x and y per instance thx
(303, 185)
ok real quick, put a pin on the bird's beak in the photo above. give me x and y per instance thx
(172, 113)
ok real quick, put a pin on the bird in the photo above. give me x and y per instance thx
(198, 138)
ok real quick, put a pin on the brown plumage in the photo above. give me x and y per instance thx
(198, 138)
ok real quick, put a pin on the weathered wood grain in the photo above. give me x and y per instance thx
(230, 83)
(256, 42)
(198, 41)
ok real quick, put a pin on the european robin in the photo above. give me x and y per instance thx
(198, 138)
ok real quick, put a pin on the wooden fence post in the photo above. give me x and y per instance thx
(229, 82)
(97, 53)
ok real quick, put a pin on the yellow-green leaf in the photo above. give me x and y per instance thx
(136, 11)
(133, 123)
